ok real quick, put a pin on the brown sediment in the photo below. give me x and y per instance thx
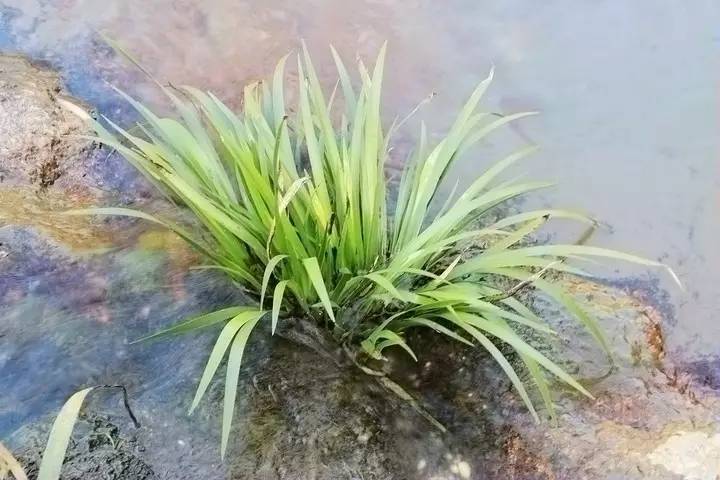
(648, 320)
(522, 462)
(604, 299)
(682, 382)
(654, 337)
(45, 174)
(628, 410)
(24, 206)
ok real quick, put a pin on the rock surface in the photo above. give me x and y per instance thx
(41, 141)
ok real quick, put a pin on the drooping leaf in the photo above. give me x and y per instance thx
(277, 302)
(8, 463)
(218, 352)
(233, 370)
(268, 272)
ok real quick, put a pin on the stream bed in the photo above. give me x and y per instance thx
(628, 129)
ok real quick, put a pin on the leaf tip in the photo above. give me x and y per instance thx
(675, 278)
(491, 74)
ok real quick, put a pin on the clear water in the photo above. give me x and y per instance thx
(627, 92)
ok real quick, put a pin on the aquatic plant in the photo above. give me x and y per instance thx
(295, 209)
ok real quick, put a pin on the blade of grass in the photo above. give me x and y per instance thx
(218, 352)
(266, 276)
(9, 463)
(201, 321)
(59, 438)
(501, 360)
(313, 271)
(231, 382)
(277, 302)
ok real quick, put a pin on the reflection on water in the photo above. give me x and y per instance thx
(220, 45)
(626, 90)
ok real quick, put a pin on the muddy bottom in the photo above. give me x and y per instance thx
(98, 451)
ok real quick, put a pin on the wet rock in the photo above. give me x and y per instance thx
(706, 371)
(638, 406)
(693, 454)
(303, 414)
(39, 137)
(47, 166)
(303, 418)
(307, 417)
(71, 317)
(646, 419)
(100, 451)
(22, 206)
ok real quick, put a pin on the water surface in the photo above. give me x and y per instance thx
(627, 92)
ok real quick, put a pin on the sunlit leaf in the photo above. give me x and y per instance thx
(195, 323)
(218, 352)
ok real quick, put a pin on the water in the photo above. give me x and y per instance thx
(627, 92)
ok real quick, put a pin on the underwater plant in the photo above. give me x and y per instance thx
(296, 209)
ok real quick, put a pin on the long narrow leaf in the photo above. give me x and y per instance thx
(266, 276)
(218, 352)
(59, 438)
(233, 370)
(9, 463)
(201, 321)
(277, 302)
(313, 271)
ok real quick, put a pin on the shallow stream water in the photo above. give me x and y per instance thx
(628, 128)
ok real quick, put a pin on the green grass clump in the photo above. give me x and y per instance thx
(320, 241)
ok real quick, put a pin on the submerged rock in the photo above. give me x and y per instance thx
(646, 412)
(40, 139)
(305, 412)
(306, 415)
(100, 452)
